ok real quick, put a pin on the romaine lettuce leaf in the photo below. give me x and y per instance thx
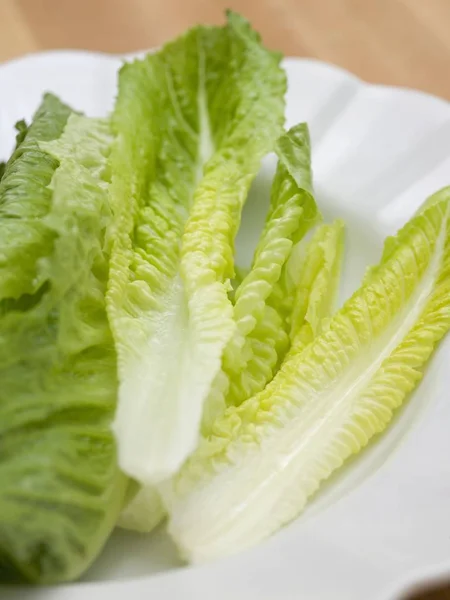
(292, 213)
(268, 456)
(261, 338)
(192, 123)
(252, 354)
(315, 270)
(316, 265)
(25, 199)
(60, 487)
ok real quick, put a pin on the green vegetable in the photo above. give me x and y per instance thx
(314, 274)
(261, 338)
(25, 199)
(60, 488)
(293, 211)
(192, 123)
(268, 456)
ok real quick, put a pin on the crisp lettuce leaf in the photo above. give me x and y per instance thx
(316, 272)
(268, 456)
(61, 490)
(261, 338)
(252, 355)
(191, 125)
(25, 199)
(316, 265)
(315, 269)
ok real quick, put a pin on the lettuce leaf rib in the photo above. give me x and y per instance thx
(268, 456)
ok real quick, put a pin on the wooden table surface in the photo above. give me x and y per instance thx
(398, 42)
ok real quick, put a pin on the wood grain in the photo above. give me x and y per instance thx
(397, 42)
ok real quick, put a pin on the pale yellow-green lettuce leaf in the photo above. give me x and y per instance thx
(266, 457)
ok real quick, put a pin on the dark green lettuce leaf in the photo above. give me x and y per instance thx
(60, 488)
(25, 199)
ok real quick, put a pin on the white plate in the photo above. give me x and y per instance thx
(384, 522)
